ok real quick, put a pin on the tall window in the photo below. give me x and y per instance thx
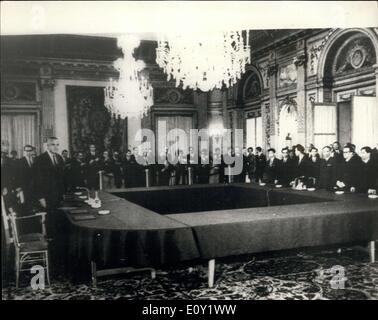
(254, 132)
(324, 124)
(17, 130)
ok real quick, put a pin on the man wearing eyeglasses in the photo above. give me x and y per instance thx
(350, 170)
(26, 174)
(369, 172)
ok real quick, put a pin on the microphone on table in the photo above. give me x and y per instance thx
(86, 189)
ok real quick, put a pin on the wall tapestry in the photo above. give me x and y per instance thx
(91, 123)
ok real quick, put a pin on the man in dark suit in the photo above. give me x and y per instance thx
(272, 167)
(78, 170)
(204, 167)
(117, 169)
(337, 153)
(67, 161)
(314, 161)
(7, 179)
(129, 167)
(250, 163)
(369, 177)
(25, 176)
(349, 175)
(93, 167)
(285, 168)
(260, 164)
(49, 189)
(49, 168)
(192, 161)
(328, 169)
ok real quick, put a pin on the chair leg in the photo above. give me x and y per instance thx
(17, 264)
(47, 268)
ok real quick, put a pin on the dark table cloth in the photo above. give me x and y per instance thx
(135, 236)
(352, 218)
(129, 236)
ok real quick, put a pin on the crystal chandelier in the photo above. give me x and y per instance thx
(131, 94)
(204, 61)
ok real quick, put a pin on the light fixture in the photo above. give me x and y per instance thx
(131, 94)
(204, 60)
(216, 130)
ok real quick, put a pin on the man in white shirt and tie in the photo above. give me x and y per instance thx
(49, 167)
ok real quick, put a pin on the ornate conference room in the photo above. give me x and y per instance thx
(236, 164)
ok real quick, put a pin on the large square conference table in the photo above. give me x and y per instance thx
(157, 226)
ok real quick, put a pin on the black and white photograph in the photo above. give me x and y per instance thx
(189, 150)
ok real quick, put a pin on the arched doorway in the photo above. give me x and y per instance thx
(249, 96)
(288, 124)
(347, 70)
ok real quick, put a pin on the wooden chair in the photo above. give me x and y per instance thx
(7, 236)
(30, 248)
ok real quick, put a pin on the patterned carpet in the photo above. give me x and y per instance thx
(302, 275)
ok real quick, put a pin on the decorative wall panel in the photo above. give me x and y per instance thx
(287, 75)
(91, 123)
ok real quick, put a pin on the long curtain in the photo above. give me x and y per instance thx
(176, 139)
(251, 132)
(365, 122)
(254, 132)
(6, 131)
(259, 136)
(324, 125)
(17, 131)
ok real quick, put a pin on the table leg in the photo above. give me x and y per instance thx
(94, 273)
(372, 251)
(211, 272)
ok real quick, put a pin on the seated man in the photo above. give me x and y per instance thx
(285, 168)
(369, 172)
(350, 171)
(328, 167)
(337, 153)
(314, 168)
